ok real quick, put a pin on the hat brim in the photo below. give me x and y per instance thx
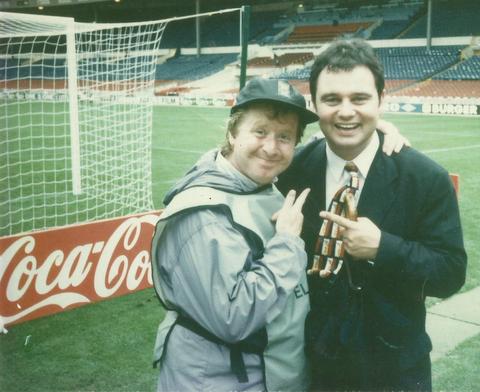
(306, 115)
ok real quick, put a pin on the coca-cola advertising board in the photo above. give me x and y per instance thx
(46, 272)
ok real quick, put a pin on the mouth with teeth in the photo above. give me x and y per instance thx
(347, 127)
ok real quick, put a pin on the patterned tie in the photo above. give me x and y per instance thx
(329, 250)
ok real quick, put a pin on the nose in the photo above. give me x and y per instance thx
(346, 109)
(270, 145)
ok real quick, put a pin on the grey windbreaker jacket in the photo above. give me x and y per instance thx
(206, 270)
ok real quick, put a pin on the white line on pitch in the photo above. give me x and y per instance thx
(451, 148)
(178, 150)
(456, 134)
(424, 151)
(172, 181)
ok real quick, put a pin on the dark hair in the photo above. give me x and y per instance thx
(344, 55)
(276, 109)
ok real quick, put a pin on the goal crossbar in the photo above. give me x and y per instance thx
(76, 116)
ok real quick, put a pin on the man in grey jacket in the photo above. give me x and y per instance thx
(227, 258)
(233, 279)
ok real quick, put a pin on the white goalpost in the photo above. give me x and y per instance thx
(75, 119)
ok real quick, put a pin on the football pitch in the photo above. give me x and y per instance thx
(181, 135)
(108, 346)
(36, 166)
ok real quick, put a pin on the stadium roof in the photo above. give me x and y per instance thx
(136, 10)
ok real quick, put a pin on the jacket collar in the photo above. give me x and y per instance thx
(380, 187)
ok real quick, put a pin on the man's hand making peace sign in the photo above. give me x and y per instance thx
(289, 219)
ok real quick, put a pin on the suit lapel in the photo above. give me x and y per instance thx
(318, 167)
(379, 189)
(314, 167)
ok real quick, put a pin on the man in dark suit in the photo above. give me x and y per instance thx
(366, 327)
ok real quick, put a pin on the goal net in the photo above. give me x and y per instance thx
(75, 120)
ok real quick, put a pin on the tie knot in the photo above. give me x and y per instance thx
(351, 167)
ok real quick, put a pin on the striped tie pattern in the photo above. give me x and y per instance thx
(329, 249)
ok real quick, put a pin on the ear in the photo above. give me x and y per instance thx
(382, 98)
(231, 139)
(314, 104)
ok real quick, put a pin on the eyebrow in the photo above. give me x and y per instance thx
(328, 95)
(365, 94)
(354, 94)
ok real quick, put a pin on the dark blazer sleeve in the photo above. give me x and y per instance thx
(421, 238)
(308, 171)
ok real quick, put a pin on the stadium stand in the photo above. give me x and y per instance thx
(181, 34)
(334, 12)
(389, 29)
(442, 88)
(396, 84)
(324, 33)
(417, 63)
(390, 17)
(315, 24)
(415, 71)
(262, 26)
(449, 19)
(283, 60)
(271, 35)
(396, 17)
(468, 69)
(459, 80)
(11, 69)
(193, 67)
(264, 61)
(408, 70)
(51, 69)
(407, 63)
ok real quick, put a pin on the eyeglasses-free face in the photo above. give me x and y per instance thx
(263, 145)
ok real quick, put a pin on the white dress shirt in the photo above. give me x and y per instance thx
(337, 176)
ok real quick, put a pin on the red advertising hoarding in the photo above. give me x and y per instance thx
(49, 271)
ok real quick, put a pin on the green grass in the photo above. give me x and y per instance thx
(102, 347)
(458, 370)
(108, 346)
(36, 168)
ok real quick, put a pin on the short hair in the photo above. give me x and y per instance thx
(344, 55)
(276, 109)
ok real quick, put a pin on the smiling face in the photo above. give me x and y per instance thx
(263, 144)
(348, 105)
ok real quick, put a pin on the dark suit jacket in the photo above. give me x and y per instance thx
(381, 329)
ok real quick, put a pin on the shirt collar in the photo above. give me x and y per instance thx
(364, 160)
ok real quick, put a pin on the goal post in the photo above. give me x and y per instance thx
(15, 28)
(76, 119)
(71, 62)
